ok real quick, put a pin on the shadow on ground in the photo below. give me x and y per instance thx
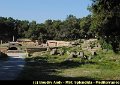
(44, 70)
(10, 68)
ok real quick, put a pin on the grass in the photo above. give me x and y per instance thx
(104, 66)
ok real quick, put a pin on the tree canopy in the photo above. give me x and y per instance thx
(69, 29)
(106, 21)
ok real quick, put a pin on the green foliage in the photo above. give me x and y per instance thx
(85, 26)
(69, 29)
(105, 20)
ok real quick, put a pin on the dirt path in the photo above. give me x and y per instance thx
(10, 68)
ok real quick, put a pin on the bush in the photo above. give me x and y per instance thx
(105, 45)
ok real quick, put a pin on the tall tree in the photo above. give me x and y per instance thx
(71, 27)
(31, 31)
(85, 30)
(106, 20)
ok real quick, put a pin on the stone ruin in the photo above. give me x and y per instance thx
(53, 52)
(91, 45)
(48, 49)
(87, 44)
(57, 52)
(80, 55)
(75, 54)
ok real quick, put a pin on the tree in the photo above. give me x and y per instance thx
(31, 31)
(85, 29)
(50, 29)
(106, 20)
(70, 28)
(41, 32)
(21, 28)
(56, 29)
(6, 28)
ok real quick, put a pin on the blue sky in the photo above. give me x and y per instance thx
(41, 10)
